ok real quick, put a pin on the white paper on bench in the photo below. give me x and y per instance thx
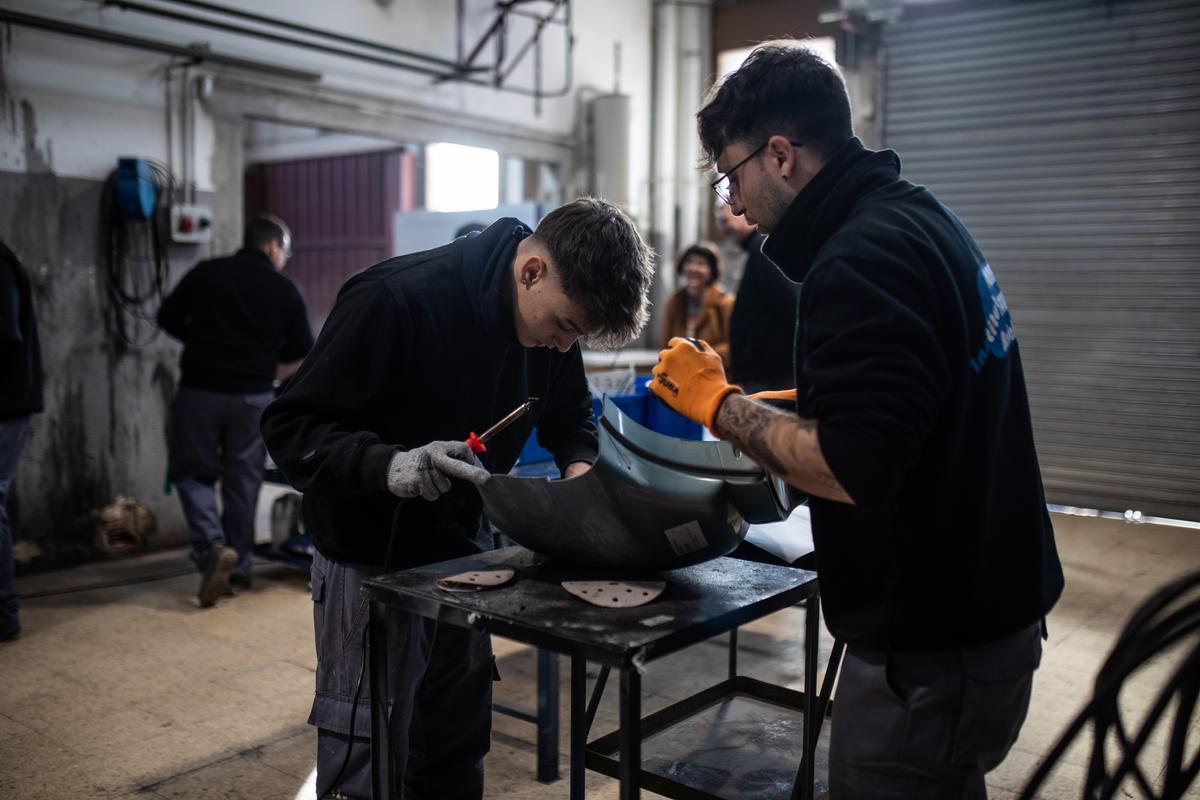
(789, 539)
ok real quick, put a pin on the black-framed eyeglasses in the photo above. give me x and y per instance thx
(722, 184)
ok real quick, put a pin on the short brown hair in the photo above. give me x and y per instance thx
(709, 252)
(604, 266)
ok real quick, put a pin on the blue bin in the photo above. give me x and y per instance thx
(641, 406)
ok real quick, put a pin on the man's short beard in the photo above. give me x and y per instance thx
(776, 200)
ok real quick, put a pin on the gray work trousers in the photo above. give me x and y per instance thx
(215, 436)
(929, 726)
(440, 704)
(12, 439)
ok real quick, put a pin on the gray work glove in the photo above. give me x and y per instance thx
(426, 471)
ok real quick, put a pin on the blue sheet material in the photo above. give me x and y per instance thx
(641, 406)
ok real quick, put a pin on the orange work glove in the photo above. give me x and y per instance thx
(774, 394)
(690, 378)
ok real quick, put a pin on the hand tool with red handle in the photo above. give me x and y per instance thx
(478, 443)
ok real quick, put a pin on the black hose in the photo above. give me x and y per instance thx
(1166, 619)
(136, 259)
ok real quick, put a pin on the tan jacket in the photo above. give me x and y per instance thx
(712, 324)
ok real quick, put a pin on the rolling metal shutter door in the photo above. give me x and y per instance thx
(1066, 135)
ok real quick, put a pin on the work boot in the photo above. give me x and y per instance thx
(215, 578)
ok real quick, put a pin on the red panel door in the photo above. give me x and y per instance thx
(340, 210)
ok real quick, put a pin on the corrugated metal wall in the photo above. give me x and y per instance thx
(1066, 134)
(340, 210)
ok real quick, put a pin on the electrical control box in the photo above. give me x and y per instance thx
(191, 224)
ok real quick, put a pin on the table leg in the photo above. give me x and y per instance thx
(630, 735)
(547, 716)
(579, 724)
(382, 780)
(733, 653)
(806, 776)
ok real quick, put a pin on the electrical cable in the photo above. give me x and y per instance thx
(387, 561)
(1168, 618)
(115, 584)
(118, 583)
(136, 259)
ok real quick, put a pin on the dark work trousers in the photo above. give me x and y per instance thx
(214, 436)
(440, 704)
(12, 440)
(929, 726)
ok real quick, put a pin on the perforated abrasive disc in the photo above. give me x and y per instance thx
(615, 594)
(476, 581)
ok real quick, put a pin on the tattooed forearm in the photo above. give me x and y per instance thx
(784, 444)
(746, 425)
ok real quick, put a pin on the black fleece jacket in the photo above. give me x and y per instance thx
(20, 352)
(417, 349)
(907, 357)
(238, 318)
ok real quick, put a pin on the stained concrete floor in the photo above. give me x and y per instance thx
(128, 690)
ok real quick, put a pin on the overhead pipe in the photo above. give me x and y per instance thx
(196, 55)
(446, 70)
(129, 5)
(333, 35)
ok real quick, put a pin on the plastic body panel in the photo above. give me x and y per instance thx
(650, 502)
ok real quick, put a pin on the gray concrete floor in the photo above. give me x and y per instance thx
(133, 691)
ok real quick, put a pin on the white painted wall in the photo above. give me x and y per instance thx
(70, 107)
(93, 101)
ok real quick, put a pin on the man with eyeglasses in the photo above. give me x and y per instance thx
(239, 319)
(911, 434)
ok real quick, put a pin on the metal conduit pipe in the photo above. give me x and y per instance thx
(324, 34)
(195, 55)
(447, 71)
(127, 5)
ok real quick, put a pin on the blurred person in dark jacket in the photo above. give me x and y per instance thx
(418, 352)
(911, 434)
(760, 356)
(239, 319)
(20, 398)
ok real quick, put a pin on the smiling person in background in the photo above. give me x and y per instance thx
(700, 309)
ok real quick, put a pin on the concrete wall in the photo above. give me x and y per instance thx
(70, 107)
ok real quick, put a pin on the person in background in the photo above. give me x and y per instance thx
(699, 309)
(760, 357)
(20, 398)
(417, 352)
(910, 433)
(239, 319)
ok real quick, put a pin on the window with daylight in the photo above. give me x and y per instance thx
(461, 178)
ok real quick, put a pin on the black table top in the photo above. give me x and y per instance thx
(699, 602)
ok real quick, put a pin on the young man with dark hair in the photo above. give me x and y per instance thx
(418, 352)
(239, 318)
(911, 435)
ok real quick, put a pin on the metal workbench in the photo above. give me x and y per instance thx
(700, 602)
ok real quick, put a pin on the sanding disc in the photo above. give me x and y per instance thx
(476, 581)
(616, 594)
